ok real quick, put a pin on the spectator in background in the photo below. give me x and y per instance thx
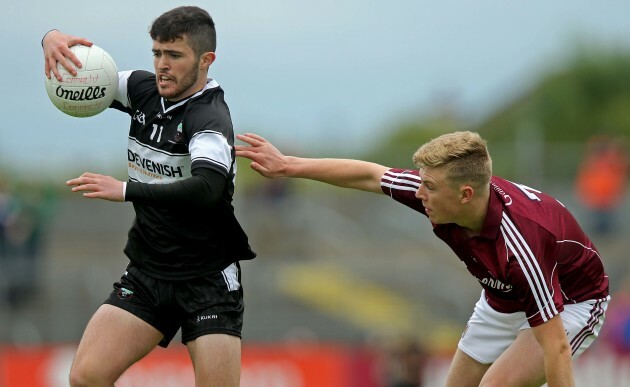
(5, 210)
(22, 223)
(617, 331)
(601, 181)
(406, 364)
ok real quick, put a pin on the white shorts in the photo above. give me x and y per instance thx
(489, 333)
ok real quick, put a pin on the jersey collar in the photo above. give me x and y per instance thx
(490, 228)
(210, 84)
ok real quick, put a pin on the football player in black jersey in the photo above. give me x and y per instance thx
(185, 244)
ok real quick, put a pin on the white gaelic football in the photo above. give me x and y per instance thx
(92, 90)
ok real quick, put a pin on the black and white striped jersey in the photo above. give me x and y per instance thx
(173, 237)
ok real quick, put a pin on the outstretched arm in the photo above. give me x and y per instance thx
(56, 47)
(346, 173)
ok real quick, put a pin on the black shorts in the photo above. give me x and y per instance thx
(200, 306)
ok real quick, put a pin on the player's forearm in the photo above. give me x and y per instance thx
(559, 370)
(557, 352)
(202, 190)
(346, 173)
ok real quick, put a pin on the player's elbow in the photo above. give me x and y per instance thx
(565, 348)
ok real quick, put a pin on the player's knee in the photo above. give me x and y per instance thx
(79, 379)
(492, 383)
(503, 382)
(82, 377)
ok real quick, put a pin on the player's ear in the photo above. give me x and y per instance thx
(207, 58)
(466, 193)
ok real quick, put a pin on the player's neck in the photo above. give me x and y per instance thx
(475, 216)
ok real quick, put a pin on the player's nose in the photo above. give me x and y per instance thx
(419, 193)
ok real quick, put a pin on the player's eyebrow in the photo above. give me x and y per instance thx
(156, 51)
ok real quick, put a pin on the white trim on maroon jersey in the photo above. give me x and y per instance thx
(404, 181)
(531, 269)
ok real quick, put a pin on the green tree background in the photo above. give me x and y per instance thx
(547, 126)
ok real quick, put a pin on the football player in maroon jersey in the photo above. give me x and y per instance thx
(544, 289)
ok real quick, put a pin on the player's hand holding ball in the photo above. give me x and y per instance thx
(81, 78)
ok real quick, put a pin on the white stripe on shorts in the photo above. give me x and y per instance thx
(591, 330)
(230, 275)
(489, 333)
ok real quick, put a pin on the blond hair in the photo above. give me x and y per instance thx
(464, 155)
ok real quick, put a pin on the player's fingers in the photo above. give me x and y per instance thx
(266, 172)
(67, 52)
(248, 139)
(75, 181)
(85, 178)
(92, 195)
(259, 168)
(244, 151)
(47, 69)
(63, 60)
(51, 65)
(254, 156)
(256, 137)
(253, 139)
(73, 58)
(76, 62)
(85, 187)
(82, 41)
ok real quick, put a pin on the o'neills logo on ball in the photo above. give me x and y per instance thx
(85, 94)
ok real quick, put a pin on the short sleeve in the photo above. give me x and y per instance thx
(401, 185)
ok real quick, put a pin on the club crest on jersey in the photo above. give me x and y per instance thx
(507, 198)
(139, 116)
(179, 134)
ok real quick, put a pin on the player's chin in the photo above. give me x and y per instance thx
(434, 219)
(166, 93)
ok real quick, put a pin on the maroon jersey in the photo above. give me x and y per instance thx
(531, 255)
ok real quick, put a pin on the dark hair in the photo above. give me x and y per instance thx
(193, 22)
